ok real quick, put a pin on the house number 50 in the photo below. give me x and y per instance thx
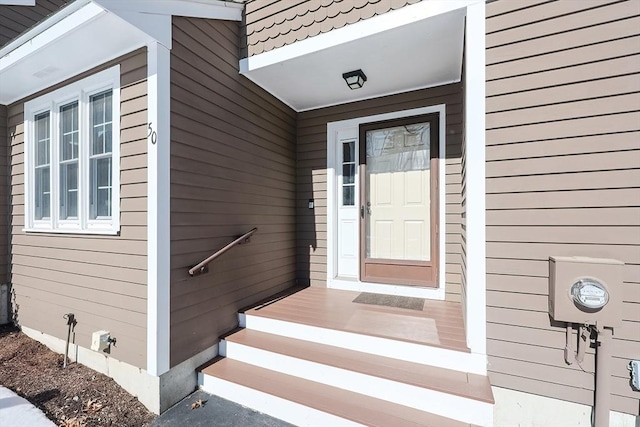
(152, 134)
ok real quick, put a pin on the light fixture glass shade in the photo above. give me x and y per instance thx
(355, 79)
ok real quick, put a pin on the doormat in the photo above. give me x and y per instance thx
(410, 303)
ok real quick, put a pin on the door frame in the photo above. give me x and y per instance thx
(335, 282)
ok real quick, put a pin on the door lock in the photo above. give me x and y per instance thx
(368, 210)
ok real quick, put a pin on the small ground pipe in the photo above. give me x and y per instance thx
(583, 336)
(603, 377)
(568, 349)
(71, 323)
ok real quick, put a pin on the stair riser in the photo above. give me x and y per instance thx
(436, 402)
(402, 350)
(274, 406)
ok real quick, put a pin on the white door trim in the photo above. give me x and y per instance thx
(335, 282)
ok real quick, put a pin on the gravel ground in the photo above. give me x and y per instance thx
(73, 397)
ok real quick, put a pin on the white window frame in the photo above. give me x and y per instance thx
(80, 91)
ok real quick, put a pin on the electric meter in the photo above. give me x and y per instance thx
(589, 294)
(586, 290)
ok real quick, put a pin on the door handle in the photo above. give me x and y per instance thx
(362, 211)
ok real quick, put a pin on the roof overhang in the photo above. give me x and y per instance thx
(411, 48)
(87, 33)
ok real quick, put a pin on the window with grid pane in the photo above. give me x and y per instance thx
(100, 159)
(42, 166)
(71, 146)
(69, 136)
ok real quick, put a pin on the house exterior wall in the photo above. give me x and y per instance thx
(16, 19)
(563, 179)
(232, 169)
(270, 24)
(101, 279)
(312, 177)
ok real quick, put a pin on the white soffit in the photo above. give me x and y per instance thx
(398, 51)
(88, 33)
(82, 40)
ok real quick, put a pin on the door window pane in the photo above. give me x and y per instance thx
(348, 173)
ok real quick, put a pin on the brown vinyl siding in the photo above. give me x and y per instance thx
(272, 23)
(232, 169)
(14, 20)
(101, 279)
(4, 196)
(563, 178)
(312, 178)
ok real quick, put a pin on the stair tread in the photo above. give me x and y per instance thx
(438, 325)
(342, 403)
(462, 384)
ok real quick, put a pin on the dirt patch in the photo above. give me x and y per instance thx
(75, 396)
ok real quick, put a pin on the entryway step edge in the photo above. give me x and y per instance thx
(395, 349)
(435, 390)
(307, 403)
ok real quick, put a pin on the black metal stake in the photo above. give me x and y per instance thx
(71, 323)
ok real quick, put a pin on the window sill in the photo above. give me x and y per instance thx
(102, 232)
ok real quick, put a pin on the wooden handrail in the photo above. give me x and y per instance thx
(202, 266)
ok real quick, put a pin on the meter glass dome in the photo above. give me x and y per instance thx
(589, 294)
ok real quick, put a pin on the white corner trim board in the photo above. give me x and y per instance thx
(158, 216)
(475, 297)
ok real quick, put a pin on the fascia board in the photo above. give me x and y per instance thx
(42, 35)
(192, 8)
(43, 26)
(17, 2)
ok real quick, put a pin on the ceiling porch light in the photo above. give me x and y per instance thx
(355, 79)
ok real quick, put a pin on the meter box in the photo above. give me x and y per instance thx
(585, 290)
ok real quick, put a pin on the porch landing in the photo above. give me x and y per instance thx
(438, 324)
(317, 358)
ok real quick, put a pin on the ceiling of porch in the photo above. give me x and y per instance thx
(396, 57)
